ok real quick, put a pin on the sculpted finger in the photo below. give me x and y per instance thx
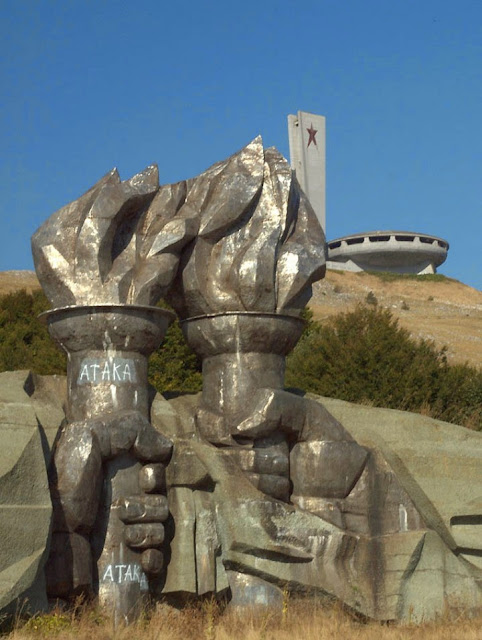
(143, 509)
(152, 561)
(265, 418)
(274, 486)
(275, 410)
(267, 456)
(152, 478)
(152, 446)
(212, 427)
(144, 536)
(324, 469)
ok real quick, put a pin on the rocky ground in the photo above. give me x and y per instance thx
(440, 309)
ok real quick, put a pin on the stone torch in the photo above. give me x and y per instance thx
(104, 261)
(103, 485)
(240, 292)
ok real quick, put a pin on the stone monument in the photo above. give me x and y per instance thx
(246, 489)
(101, 263)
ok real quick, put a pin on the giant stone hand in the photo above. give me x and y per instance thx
(78, 483)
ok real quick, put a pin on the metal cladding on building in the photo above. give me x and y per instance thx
(399, 251)
(396, 251)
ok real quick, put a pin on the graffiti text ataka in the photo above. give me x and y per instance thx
(113, 370)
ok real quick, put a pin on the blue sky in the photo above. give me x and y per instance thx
(92, 85)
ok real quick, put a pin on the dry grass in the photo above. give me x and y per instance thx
(11, 281)
(446, 311)
(305, 620)
(443, 310)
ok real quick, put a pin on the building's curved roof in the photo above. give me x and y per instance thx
(390, 249)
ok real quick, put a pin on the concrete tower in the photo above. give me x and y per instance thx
(307, 140)
(395, 251)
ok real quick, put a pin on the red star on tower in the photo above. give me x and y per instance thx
(312, 133)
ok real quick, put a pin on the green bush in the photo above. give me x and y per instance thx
(362, 356)
(49, 624)
(24, 340)
(174, 367)
(25, 344)
(365, 357)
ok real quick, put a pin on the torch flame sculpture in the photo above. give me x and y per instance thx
(235, 251)
(103, 260)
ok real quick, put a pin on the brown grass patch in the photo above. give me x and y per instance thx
(307, 620)
(11, 281)
(446, 311)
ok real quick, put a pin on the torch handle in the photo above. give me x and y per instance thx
(121, 582)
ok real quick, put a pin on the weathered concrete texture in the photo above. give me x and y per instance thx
(109, 460)
(439, 466)
(235, 535)
(404, 544)
(118, 242)
(437, 463)
(377, 549)
(225, 532)
(259, 246)
(439, 582)
(30, 417)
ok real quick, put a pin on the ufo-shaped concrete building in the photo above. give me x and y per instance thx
(396, 251)
(399, 251)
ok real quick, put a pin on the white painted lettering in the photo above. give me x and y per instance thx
(108, 574)
(94, 368)
(121, 573)
(143, 582)
(84, 373)
(119, 567)
(106, 372)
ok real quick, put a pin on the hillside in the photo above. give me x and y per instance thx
(432, 307)
(11, 281)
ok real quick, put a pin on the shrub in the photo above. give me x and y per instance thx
(364, 356)
(24, 340)
(25, 344)
(174, 367)
(48, 624)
